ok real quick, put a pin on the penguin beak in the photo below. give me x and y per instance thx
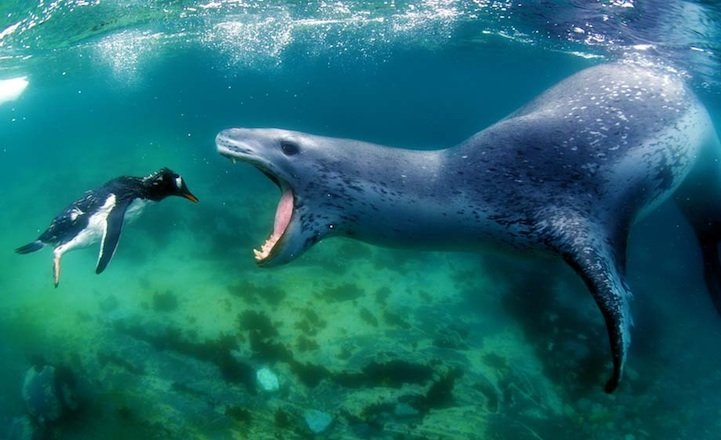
(188, 195)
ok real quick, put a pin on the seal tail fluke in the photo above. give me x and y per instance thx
(705, 219)
(30, 247)
(711, 267)
(700, 201)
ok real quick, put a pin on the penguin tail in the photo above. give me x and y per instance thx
(30, 247)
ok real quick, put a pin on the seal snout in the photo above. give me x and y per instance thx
(235, 143)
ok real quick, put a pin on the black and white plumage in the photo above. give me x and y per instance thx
(100, 213)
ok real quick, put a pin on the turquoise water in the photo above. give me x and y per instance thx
(166, 343)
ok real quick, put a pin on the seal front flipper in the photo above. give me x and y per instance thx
(111, 234)
(609, 290)
(600, 262)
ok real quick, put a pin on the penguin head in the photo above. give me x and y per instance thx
(166, 182)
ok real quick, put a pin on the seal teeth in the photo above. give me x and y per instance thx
(264, 251)
(283, 215)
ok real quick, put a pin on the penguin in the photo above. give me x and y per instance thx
(99, 215)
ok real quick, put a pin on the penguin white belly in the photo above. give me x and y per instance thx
(135, 208)
(97, 225)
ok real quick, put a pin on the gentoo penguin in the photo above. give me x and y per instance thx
(100, 212)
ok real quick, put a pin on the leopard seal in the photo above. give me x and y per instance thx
(568, 173)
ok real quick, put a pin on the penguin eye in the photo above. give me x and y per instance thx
(178, 182)
(289, 148)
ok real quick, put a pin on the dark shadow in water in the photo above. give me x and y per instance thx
(218, 351)
(568, 339)
(223, 234)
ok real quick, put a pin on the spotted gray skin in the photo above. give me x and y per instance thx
(568, 174)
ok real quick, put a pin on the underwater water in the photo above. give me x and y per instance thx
(351, 340)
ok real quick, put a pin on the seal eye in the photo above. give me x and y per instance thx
(289, 148)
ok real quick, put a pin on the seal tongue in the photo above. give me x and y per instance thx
(283, 214)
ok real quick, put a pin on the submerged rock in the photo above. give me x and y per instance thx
(317, 421)
(49, 393)
(267, 380)
(22, 428)
(405, 410)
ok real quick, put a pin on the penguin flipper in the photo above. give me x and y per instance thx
(111, 235)
(30, 247)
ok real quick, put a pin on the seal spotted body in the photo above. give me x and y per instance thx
(568, 174)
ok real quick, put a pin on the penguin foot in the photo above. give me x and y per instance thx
(56, 270)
